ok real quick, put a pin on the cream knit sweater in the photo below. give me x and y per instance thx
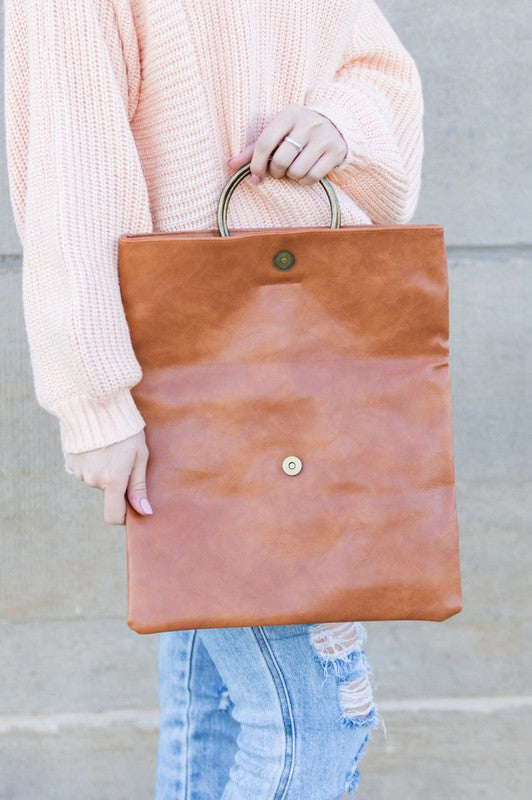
(120, 117)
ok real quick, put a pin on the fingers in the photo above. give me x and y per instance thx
(323, 145)
(118, 469)
(136, 489)
(114, 504)
(238, 160)
(309, 168)
(270, 139)
(322, 151)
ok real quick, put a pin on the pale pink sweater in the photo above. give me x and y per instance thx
(120, 116)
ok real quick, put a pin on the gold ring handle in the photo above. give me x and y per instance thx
(245, 170)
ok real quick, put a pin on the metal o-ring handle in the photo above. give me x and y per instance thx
(245, 170)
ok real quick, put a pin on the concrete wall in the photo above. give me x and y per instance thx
(78, 694)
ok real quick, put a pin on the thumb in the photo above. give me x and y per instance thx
(239, 159)
(136, 488)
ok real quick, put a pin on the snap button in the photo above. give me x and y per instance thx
(284, 259)
(292, 465)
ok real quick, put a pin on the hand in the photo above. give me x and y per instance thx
(118, 469)
(324, 147)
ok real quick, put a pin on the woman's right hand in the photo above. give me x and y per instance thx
(119, 469)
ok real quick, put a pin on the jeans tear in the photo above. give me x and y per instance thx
(356, 699)
(340, 650)
(352, 778)
(334, 641)
(223, 698)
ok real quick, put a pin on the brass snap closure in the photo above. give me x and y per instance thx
(292, 465)
(284, 259)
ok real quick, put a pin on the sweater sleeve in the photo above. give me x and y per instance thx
(72, 77)
(375, 101)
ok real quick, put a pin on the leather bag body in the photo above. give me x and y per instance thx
(296, 393)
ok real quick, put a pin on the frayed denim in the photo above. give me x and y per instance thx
(277, 712)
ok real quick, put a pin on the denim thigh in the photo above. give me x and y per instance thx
(302, 697)
(197, 731)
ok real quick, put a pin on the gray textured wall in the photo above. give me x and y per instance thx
(78, 694)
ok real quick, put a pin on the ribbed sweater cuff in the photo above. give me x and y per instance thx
(87, 423)
(358, 146)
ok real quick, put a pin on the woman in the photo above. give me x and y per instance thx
(129, 116)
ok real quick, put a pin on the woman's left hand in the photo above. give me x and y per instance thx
(323, 147)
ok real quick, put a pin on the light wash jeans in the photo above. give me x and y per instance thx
(276, 712)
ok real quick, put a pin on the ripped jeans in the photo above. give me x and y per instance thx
(247, 714)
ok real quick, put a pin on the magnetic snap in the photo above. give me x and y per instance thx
(284, 259)
(292, 465)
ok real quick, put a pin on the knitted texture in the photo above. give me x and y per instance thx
(120, 117)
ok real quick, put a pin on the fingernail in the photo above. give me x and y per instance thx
(255, 179)
(144, 504)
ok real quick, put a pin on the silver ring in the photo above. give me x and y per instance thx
(70, 471)
(293, 141)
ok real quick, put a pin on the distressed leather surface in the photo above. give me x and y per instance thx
(342, 361)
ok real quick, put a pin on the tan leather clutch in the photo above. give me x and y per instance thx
(296, 393)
